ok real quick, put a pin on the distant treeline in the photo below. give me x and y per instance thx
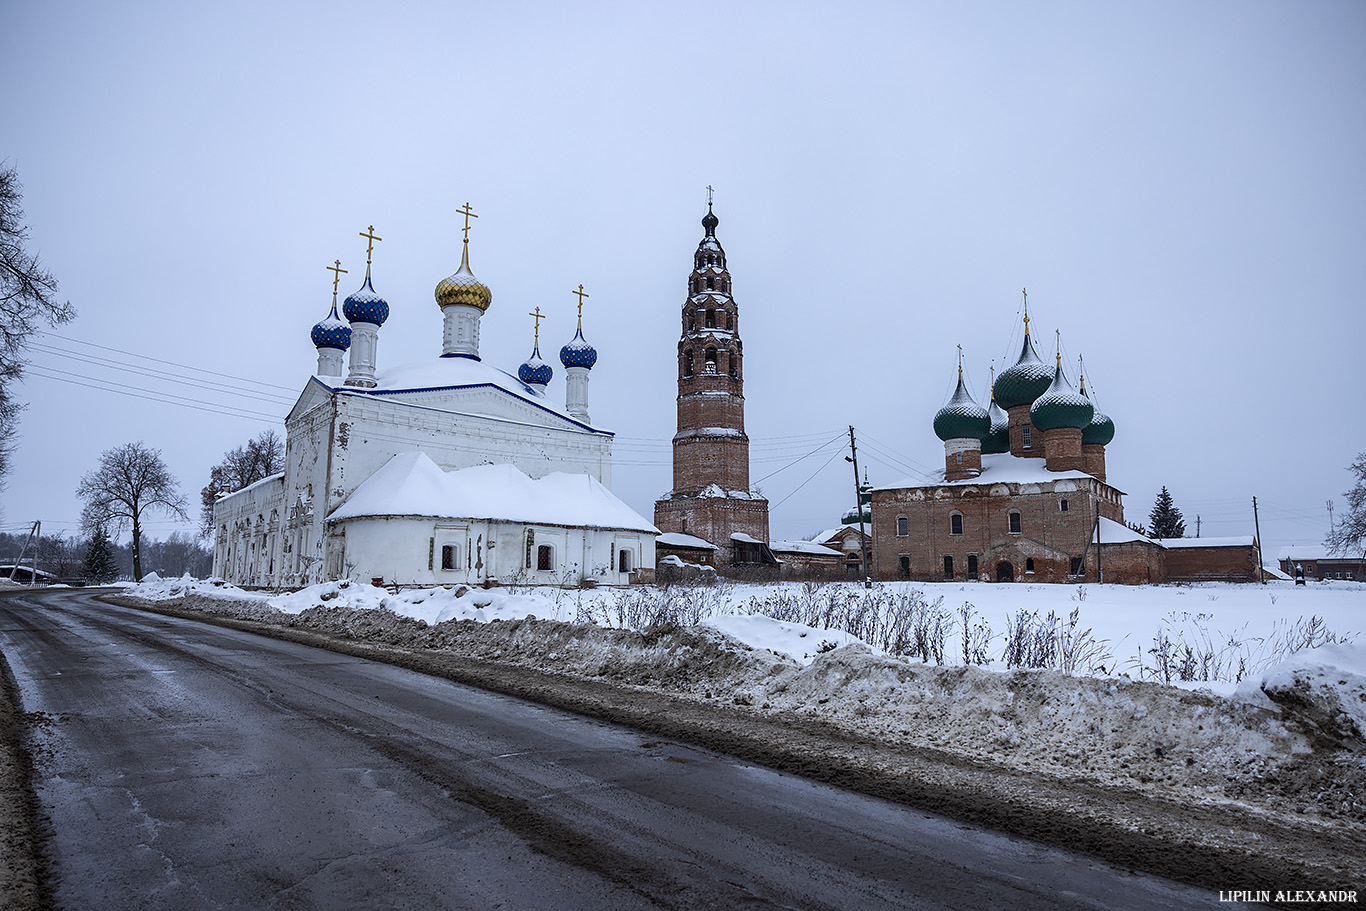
(64, 557)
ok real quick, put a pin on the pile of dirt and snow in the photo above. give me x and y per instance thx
(1289, 741)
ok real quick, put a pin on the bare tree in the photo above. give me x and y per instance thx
(259, 458)
(131, 479)
(1348, 536)
(27, 299)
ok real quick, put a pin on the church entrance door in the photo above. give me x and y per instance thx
(1005, 572)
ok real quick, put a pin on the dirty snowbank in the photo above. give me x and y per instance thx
(1289, 744)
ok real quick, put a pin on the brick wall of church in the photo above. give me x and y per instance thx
(714, 519)
(1043, 549)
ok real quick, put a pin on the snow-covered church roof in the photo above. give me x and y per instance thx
(996, 469)
(411, 484)
(441, 373)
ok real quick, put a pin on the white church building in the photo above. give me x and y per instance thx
(443, 471)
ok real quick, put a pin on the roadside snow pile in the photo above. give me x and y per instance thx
(1325, 688)
(1289, 739)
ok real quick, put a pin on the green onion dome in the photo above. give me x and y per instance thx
(1023, 383)
(1061, 406)
(1101, 430)
(961, 418)
(998, 437)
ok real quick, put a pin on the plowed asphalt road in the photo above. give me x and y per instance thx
(185, 766)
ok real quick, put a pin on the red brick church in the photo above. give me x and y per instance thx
(1024, 496)
(712, 515)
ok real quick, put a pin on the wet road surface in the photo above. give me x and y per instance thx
(186, 766)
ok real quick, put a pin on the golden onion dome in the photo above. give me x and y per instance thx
(463, 288)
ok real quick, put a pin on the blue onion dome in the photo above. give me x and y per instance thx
(961, 418)
(998, 437)
(332, 332)
(578, 353)
(1024, 382)
(1101, 430)
(462, 288)
(365, 306)
(1061, 406)
(535, 372)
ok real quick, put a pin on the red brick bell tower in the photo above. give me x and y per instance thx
(711, 498)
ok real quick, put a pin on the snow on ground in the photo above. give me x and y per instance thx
(1272, 715)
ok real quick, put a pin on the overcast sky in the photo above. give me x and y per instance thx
(1180, 186)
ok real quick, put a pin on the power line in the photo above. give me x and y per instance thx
(238, 379)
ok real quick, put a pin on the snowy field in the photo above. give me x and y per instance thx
(1210, 636)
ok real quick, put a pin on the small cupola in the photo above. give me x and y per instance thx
(962, 424)
(535, 372)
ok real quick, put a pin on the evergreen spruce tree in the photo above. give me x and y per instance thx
(99, 564)
(1165, 519)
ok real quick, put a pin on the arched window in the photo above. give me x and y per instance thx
(1029, 564)
(1026, 437)
(956, 524)
(690, 322)
(711, 318)
(948, 566)
(687, 362)
(901, 527)
(733, 363)
(1063, 505)
(1014, 521)
(904, 565)
(545, 558)
(728, 320)
(710, 368)
(711, 283)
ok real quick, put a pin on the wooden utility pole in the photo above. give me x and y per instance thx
(33, 537)
(858, 507)
(1261, 574)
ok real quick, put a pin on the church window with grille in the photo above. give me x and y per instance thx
(545, 558)
(1014, 522)
(1026, 436)
(450, 557)
(956, 524)
(901, 526)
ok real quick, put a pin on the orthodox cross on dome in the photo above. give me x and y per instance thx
(992, 387)
(539, 316)
(1081, 374)
(709, 196)
(337, 273)
(468, 213)
(1025, 292)
(960, 363)
(369, 234)
(1058, 333)
(581, 294)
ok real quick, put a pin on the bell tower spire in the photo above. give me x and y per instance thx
(711, 497)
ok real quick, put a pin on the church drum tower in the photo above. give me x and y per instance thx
(711, 497)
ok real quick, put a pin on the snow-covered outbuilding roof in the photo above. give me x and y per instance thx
(1112, 532)
(803, 547)
(831, 533)
(675, 539)
(1233, 541)
(411, 484)
(1002, 468)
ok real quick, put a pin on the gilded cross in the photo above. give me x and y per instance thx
(582, 294)
(337, 272)
(369, 234)
(960, 362)
(1058, 334)
(539, 316)
(468, 213)
(1025, 292)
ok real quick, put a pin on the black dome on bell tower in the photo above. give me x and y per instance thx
(710, 221)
